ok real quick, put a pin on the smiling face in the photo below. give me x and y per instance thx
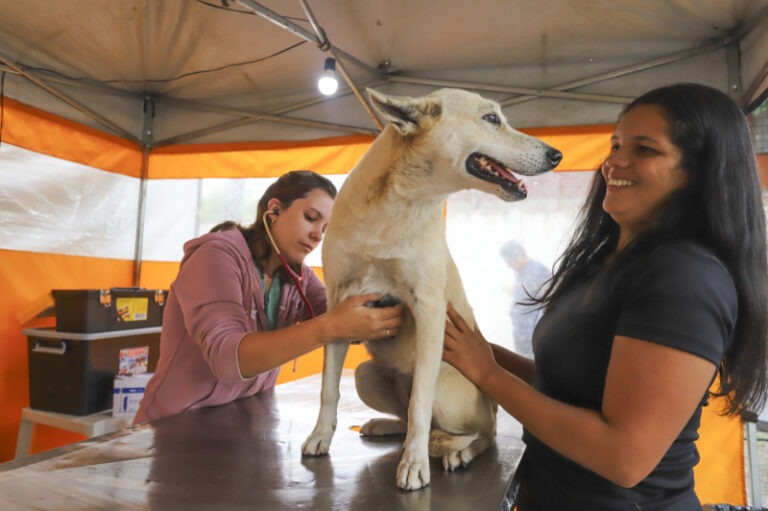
(300, 227)
(643, 169)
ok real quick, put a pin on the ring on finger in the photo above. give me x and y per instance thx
(386, 330)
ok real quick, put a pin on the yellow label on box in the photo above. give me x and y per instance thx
(132, 309)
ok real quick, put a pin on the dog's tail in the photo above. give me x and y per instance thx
(442, 443)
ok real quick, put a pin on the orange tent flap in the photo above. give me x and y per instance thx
(29, 128)
(257, 159)
(28, 278)
(762, 168)
(24, 126)
(39, 307)
(583, 147)
(158, 274)
(720, 476)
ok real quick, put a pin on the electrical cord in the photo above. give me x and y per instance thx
(169, 80)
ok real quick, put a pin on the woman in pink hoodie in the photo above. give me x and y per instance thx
(235, 314)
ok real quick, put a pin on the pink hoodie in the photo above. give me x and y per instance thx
(216, 299)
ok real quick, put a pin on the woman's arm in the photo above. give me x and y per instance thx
(522, 367)
(349, 320)
(209, 291)
(651, 391)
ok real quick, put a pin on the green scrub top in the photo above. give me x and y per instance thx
(271, 298)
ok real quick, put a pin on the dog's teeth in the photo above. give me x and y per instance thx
(494, 169)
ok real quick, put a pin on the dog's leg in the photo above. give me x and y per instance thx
(413, 469)
(463, 416)
(464, 420)
(380, 389)
(319, 441)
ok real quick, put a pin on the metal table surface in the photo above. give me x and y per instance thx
(247, 455)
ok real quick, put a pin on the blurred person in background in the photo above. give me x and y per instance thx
(530, 277)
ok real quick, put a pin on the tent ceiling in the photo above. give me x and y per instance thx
(229, 70)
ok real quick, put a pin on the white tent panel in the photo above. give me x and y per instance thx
(182, 209)
(172, 204)
(54, 206)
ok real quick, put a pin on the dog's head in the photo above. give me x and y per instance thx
(467, 140)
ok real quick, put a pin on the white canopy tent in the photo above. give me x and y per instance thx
(162, 74)
(184, 71)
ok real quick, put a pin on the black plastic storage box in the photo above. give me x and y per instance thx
(74, 373)
(104, 310)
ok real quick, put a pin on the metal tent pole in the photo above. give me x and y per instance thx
(147, 134)
(322, 43)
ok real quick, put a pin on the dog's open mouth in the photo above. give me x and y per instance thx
(488, 169)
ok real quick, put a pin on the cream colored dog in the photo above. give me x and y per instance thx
(387, 235)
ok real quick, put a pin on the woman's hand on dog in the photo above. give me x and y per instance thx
(353, 320)
(466, 349)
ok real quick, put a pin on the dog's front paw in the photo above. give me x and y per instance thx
(383, 427)
(317, 444)
(413, 472)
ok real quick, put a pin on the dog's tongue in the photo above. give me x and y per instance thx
(504, 172)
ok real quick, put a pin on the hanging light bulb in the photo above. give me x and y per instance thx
(328, 84)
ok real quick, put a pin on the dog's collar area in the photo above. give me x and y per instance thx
(488, 169)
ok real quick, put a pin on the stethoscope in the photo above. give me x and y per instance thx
(297, 280)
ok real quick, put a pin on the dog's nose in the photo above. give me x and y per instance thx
(554, 156)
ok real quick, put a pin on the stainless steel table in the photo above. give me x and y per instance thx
(247, 456)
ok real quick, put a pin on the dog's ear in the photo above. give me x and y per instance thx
(408, 115)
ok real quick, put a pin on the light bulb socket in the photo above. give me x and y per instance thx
(330, 65)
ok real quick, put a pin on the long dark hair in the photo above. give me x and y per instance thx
(721, 207)
(293, 185)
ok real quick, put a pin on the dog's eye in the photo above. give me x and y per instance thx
(492, 118)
